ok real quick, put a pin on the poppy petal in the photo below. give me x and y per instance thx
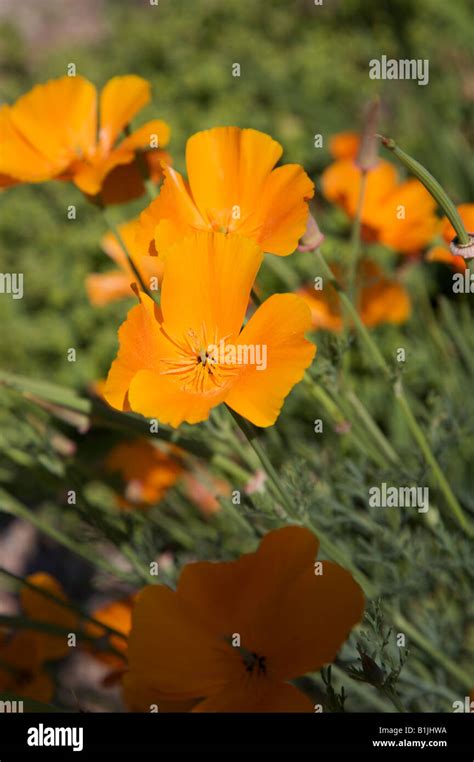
(59, 119)
(275, 697)
(145, 137)
(278, 325)
(227, 167)
(120, 100)
(42, 609)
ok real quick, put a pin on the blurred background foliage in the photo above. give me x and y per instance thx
(304, 71)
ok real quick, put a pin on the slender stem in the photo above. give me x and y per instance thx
(64, 603)
(459, 674)
(400, 398)
(8, 504)
(424, 446)
(255, 298)
(113, 228)
(25, 623)
(355, 239)
(432, 186)
(326, 544)
(372, 427)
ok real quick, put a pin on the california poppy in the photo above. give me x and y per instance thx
(106, 287)
(58, 130)
(23, 653)
(233, 188)
(177, 363)
(147, 472)
(380, 299)
(235, 633)
(442, 253)
(118, 615)
(400, 215)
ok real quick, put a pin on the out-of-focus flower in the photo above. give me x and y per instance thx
(204, 489)
(232, 188)
(400, 215)
(177, 363)
(23, 653)
(380, 299)
(118, 615)
(63, 130)
(109, 286)
(147, 471)
(234, 634)
(442, 253)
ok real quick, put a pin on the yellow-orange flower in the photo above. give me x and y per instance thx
(400, 215)
(23, 653)
(233, 188)
(103, 288)
(59, 130)
(234, 633)
(177, 363)
(442, 253)
(147, 471)
(380, 300)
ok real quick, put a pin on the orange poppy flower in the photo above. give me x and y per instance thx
(177, 363)
(103, 288)
(380, 300)
(21, 667)
(23, 653)
(400, 215)
(235, 633)
(233, 188)
(204, 489)
(442, 253)
(147, 471)
(55, 131)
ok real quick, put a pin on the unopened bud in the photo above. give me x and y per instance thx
(463, 250)
(312, 238)
(367, 157)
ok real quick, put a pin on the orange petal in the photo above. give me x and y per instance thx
(149, 136)
(227, 167)
(324, 306)
(89, 176)
(149, 267)
(43, 609)
(172, 652)
(207, 282)
(344, 145)
(19, 160)
(443, 254)
(272, 697)
(466, 212)
(22, 652)
(278, 325)
(170, 217)
(120, 99)
(381, 300)
(103, 288)
(406, 219)
(141, 346)
(283, 209)
(58, 119)
(159, 396)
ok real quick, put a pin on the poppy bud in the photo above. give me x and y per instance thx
(367, 156)
(312, 237)
(465, 250)
(372, 672)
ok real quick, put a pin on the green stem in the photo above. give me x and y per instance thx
(25, 623)
(64, 603)
(459, 674)
(115, 231)
(432, 186)
(355, 239)
(326, 544)
(373, 428)
(8, 504)
(401, 399)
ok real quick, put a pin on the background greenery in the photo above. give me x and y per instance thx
(304, 70)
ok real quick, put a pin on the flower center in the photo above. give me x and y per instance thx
(254, 663)
(195, 366)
